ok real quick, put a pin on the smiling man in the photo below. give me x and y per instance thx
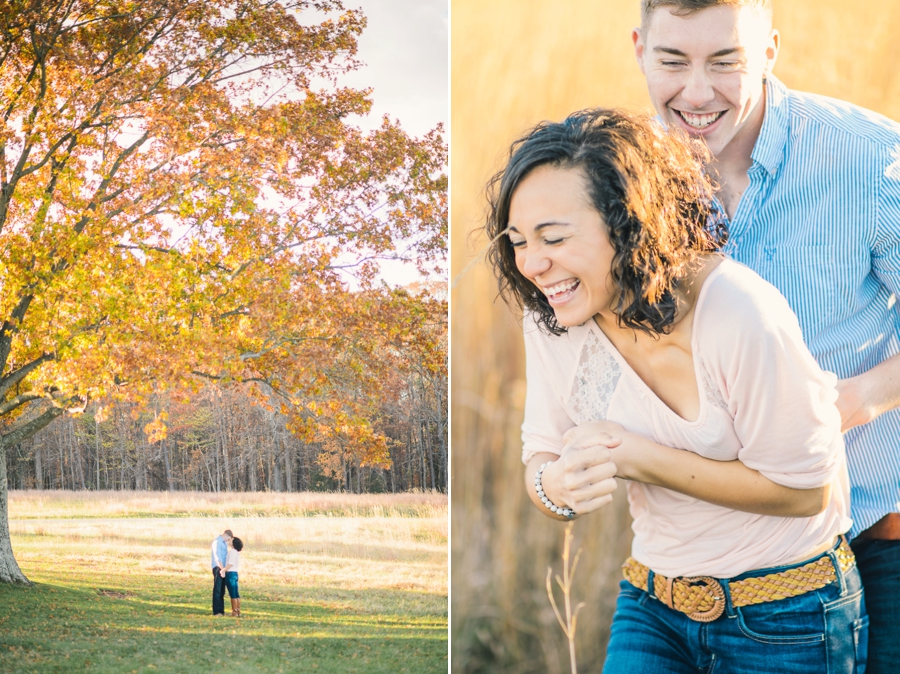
(811, 189)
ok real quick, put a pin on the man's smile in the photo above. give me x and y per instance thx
(699, 121)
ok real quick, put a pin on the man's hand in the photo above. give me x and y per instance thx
(852, 404)
(869, 395)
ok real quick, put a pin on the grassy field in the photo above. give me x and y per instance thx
(329, 583)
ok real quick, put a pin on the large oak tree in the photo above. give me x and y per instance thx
(182, 192)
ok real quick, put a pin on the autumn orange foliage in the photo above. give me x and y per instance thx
(182, 197)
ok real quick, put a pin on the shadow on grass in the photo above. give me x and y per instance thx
(55, 628)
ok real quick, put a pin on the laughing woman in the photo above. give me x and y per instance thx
(654, 359)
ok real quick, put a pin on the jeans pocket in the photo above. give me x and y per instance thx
(796, 620)
(629, 590)
(847, 631)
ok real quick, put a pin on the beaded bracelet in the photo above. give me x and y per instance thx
(565, 512)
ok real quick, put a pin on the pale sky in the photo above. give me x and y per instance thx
(405, 48)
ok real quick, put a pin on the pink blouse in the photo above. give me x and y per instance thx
(763, 401)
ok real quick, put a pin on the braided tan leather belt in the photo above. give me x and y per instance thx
(703, 599)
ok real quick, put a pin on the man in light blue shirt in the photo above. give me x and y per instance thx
(811, 188)
(219, 550)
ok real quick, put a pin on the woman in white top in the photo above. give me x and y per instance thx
(230, 574)
(652, 358)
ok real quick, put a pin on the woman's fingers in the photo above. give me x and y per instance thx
(590, 505)
(594, 432)
(590, 475)
(581, 476)
(576, 459)
(584, 440)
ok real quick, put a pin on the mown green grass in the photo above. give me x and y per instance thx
(326, 594)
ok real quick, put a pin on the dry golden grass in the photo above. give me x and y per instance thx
(33, 503)
(282, 555)
(515, 63)
(319, 543)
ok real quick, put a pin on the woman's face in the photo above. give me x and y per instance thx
(561, 243)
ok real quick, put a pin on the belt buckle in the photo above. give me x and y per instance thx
(718, 595)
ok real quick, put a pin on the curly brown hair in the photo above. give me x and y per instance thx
(650, 188)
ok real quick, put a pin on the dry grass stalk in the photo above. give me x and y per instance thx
(565, 583)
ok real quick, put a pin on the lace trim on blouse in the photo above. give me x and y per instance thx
(596, 377)
(598, 374)
(710, 388)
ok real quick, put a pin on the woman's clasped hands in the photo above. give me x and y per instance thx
(584, 475)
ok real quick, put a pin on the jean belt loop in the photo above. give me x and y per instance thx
(730, 611)
(839, 575)
(650, 590)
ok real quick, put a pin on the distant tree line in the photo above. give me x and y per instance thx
(235, 438)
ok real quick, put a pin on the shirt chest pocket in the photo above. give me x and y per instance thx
(809, 277)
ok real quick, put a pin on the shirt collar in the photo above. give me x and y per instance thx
(769, 148)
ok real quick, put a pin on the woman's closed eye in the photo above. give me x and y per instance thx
(522, 243)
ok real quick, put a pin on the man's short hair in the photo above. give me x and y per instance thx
(688, 7)
(228, 533)
(237, 544)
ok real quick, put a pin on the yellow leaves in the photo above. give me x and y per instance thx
(156, 429)
(217, 239)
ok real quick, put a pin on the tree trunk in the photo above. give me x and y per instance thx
(97, 445)
(9, 569)
(287, 457)
(165, 449)
(38, 468)
(430, 454)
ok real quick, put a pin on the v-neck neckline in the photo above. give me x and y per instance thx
(698, 375)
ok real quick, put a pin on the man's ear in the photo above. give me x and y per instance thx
(638, 41)
(772, 50)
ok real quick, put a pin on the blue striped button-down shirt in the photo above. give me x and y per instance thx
(820, 220)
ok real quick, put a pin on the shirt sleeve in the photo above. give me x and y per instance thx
(546, 420)
(886, 252)
(782, 403)
(215, 552)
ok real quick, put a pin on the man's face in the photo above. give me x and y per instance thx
(226, 538)
(705, 71)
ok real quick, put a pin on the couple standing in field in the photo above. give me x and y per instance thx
(710, 314)
(226, 562)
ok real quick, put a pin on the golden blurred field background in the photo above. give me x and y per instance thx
(513, 64)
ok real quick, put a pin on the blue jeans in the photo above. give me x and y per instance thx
(218, 597)
(879, 566)
(820, 632)
(231, 582)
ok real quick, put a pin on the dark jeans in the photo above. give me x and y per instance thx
(218, 593)
(820, 632)
(879, 566)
